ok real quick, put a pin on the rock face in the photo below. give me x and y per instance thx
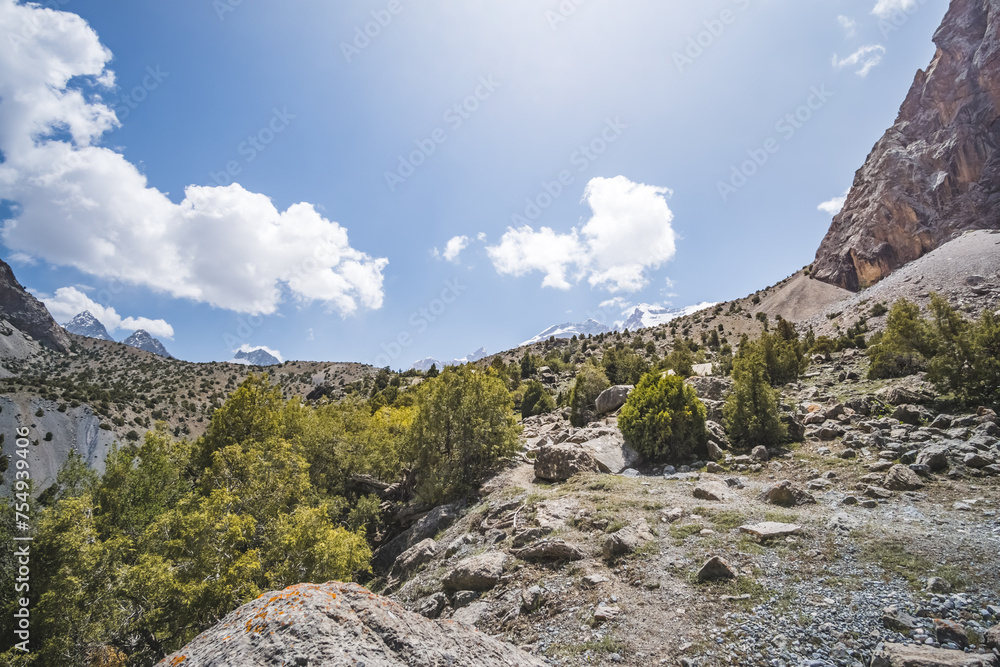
(341, 624)
(85, 324)
(612, 398)
(144, 341)
(903, 655)
(936, 171)
(28, 314)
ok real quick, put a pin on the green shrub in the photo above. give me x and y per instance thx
(623, 366)
(589, 384)
(751, 411)
(536, 400)
(904, 346)
(664, 419)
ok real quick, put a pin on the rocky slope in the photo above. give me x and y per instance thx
(936, 171)
(27, 313)
(341, 624)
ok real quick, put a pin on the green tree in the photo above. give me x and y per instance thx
(967, 354)
(664, 419)
(252, 413)
(751, 411)
(905, 346)
(589, 384)
(463, 425)
(681, 358)
(530, 364)
(536, 400)
(623, 366)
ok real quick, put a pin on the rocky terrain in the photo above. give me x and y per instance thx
(879, 535)
(19, 310)
(936, 171)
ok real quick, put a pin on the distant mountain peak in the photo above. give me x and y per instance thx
(641, 316)
(425, 364)
(256, 357)
(144, 341)
(85, 324)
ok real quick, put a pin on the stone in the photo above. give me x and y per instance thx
(900, 395)
(828, 433)
(716, 568)
(595, 579)
(950, 631)
(714, 491)
(477, 573)
(417, 555)
(911, 414)
(605, 612)
(934, 457)
(625, 541)
(714, 451)
(472, 614)
(901, 478)
(532, 599)
(432, 605)
(760, 453)
(461, 599)
(557, 463)
(428, 525)
(992, 638)
(342, 624)
(977, 461)
(908, 655)
(877, 492)
(771, 529)
(786, 494)
(612, 398)
(550, 550)
(710, 388)
(938, 585)
(897, 620)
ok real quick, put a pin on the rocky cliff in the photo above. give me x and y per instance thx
(936, 171)
(27, 313)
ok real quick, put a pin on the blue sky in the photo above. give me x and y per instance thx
(463, 175)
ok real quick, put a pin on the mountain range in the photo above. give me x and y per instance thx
(257, 357)
(634, 318)
(85, 324)
(424, 365)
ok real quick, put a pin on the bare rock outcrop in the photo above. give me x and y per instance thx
(341, 624)
(28, 314)
(936, 171)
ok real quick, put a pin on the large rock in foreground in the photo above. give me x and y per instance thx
(904, 655)
(936, 171)
(341, 624)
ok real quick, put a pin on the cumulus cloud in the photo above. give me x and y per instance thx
(246, 348)
(847, 24)
(885, 8)
(68, 302)
(82, 205)
(833, 206)
(453, 248)
(864, 59)
(628, 234)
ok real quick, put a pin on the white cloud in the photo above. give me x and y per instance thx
(628, 234)
(85, 206)
(847, 24)
(454, 248)
(833, 206)
(885, 8)
(247, 348)
(68, 302)
(864, 58)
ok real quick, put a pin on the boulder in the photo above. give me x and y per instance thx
(786, 494)
(897, 620)
(992, 638)
(477, 573)
(557, 463)
(432, 605)
(911, 414)
(934, 457)
(907, 655)
(710, 388)
(716, 568)
(901, 478)
(714, 491)
(429, 525)
(760, 453)
(626, 541)
(901, 395)
(550, 550)
(612, 398)
(717, 434)
(768, 530)
(417, 555)
(949, 631)
(342, 624)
